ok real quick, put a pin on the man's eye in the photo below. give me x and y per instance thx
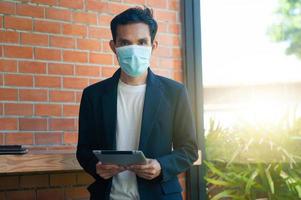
(143, 42)
(124, 43)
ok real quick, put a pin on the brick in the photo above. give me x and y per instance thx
(19, 138)
(59, 14)
(84, 17)
(173, 5)
(62, 179)
(169, 40)
(75, 83)
(1, 112)
(162, 27)
(174, 28)
(48, 138)
(18, 52)
(1, 23)
(18, 109)
(70, 138)
(84, 178)
(7, 7)
(18, 23)
(47, 81)
(162, 51)
(32, 67)
(33, 95)
(9, 37)
(29, 181)
(86, 44)
(34, 39)
(86, 70)
(48, 110)
(170, 63)
(61, 69)
(75, 56)
(99, 33)
(178, 76)
(62, 124)
(28, 10)
(61, 96)
(138, 2)
(47, 2)
(7, 94)
(47, 54)
(78, 96)
(20, 195)
(77, 193)
(73, 29)
(8, 66)
(47, 27)
(70, 110)
(157, 3)
(166, 16)
(8, 124)
(99, 58)
(108, 71)
(71, 4)
(63, 42)
(32, 124)
(93, 80)
(106, 47)
(9, 182)
(116, 8)
(18, 80)
(176, 52)
(97, 6)
(50, 194)
(105, 20)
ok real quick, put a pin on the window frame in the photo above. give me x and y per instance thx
(192, 68)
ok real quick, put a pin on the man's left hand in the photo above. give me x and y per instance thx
(149, 171)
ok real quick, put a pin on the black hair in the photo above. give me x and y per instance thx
(135, 15)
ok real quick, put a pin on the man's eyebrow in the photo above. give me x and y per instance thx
(143, 39)
(123, 40)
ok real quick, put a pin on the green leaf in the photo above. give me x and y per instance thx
(270, 180)
(227, 194)
(251, 182)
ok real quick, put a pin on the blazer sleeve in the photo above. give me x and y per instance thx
(185, 150)
(85, 145)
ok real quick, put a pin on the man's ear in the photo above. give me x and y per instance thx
(154, 45)
(112, 45)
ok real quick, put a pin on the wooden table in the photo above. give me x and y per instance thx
(39, 161)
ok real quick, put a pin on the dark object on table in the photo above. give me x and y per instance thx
(12, 149)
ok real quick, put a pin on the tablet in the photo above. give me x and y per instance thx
(123, 158)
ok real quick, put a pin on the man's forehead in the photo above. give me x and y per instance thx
(139, 30)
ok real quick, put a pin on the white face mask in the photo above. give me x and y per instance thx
(134, 59)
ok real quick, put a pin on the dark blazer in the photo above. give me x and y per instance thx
(167, 134)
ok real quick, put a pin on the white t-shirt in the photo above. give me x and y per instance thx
(130, 101)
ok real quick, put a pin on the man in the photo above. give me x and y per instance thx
(136, 110)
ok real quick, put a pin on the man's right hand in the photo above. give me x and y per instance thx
(107, 171)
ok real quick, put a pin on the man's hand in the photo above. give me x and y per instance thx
(149, 171)
(106, 171)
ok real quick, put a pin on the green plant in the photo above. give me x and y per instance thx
(253, 161)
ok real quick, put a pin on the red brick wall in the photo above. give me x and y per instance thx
(50, 50)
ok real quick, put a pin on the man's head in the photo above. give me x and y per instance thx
(134, 32)
(135, 15)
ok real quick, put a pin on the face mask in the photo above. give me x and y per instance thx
(134, 59)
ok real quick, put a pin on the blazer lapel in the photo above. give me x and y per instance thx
(152, 101)
(109, 107)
